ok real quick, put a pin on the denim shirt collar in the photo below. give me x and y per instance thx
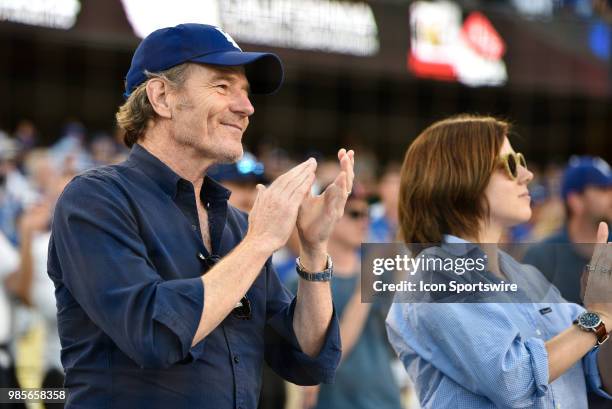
(459, 247)
(167, 179)
(449, 238)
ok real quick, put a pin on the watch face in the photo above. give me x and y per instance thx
(589, 320)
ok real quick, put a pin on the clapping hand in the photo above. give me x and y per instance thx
(597, 278)
(318, 214)
(273, 216)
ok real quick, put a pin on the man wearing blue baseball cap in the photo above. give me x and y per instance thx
(586, 190)
(166, 294)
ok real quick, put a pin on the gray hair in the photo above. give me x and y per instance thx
(134, 115)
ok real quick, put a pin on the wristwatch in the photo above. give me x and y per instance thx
(591, 322)
(324, 275)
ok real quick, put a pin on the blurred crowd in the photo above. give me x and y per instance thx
(32, 177)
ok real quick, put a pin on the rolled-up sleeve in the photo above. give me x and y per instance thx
(283, 352)
(591, 372)
(105, 267)
(476, 345)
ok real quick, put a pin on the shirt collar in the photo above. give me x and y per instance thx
(167, 179)
(212, 189)
(458, 246)
(449, 238)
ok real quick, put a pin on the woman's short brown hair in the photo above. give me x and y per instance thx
(134, 115)
(444, 175)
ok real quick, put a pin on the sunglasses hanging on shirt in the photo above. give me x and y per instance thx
(242, 310)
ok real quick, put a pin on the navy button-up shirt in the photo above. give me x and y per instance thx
(126, 256)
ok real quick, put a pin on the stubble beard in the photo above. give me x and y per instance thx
(217, 152)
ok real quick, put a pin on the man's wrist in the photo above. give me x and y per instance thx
(324, 275)
(595, 323)
(313, 259)
(603, 314)
(256, 247)
(606, 319)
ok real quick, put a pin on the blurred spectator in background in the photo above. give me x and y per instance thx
(31, 284)
(26, 135)
(241, 178)
(9, 263)
(383, 223)
(276, 161)
(367, 168)
(586, 190)
(70, 152)
(105, 150)
(364, 379)
(15, 190)
(42, 172)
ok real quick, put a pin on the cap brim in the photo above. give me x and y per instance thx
(263, 70)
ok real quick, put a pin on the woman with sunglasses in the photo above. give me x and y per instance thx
(462, 182)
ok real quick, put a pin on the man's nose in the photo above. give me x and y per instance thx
(242, 104)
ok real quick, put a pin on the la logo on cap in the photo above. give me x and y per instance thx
(229, 38)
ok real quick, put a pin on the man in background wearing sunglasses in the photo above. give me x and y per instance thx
(364, 378)
(166, 294)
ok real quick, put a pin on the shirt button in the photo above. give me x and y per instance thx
(207, 204)
(236, 360)
(538, 332)
(201, 256)
(194, 227)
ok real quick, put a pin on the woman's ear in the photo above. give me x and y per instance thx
(157, 92)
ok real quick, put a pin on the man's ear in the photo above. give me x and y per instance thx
(157, 92)
(575, 203)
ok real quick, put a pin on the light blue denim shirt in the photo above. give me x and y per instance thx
(490, 355)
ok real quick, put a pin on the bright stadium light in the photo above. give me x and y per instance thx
(44, 13)
(146, 16)
(333, 26)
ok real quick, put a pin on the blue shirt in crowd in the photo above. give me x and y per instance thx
(561, 262)
(364, 379)
(380, 229)
(491, 355)
(126, 256)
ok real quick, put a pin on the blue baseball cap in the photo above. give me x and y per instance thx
(202, 43)
(247, 170)
(583, 171)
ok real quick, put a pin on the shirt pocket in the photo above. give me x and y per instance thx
(549, 320)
